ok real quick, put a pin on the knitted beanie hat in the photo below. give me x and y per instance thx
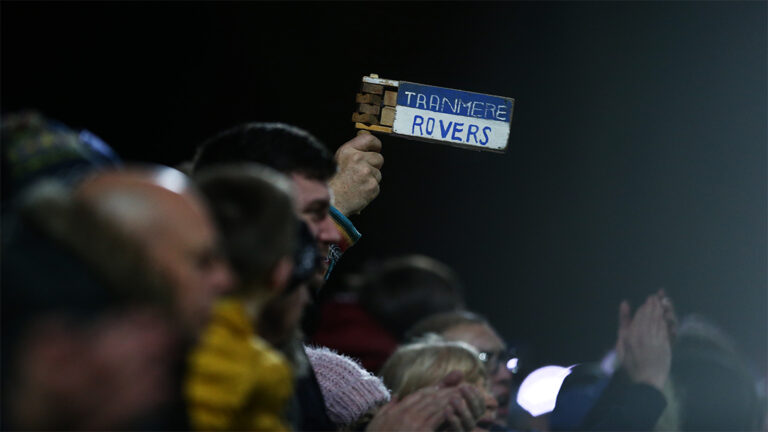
(36, 147)
(348, 389)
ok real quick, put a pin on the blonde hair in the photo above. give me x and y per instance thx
(422, 364)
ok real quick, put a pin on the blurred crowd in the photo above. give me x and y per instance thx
(147, 297)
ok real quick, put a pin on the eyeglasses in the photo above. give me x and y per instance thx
(493, 359)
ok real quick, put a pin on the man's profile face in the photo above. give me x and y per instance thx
(313, 200)
(485, 339)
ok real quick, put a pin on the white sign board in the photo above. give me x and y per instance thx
(453, 117)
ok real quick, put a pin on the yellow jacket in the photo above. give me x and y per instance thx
(235, 379)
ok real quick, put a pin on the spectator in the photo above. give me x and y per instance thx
(653, 389)
(424, 364)
(311, 167)
(385, 299)
(88, 341)
(351, 393)
(633, 398)
(718, 391)
(160, 208)
(450, 404)
(475, 330)
(402, 290)
(236, 381)
(309, 164)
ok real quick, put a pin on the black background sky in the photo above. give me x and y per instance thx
(637, 156)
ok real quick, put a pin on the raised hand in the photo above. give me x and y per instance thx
(643, 345)
(356, 183)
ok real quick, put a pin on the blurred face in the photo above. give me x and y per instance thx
(184, 249)
(313, 200)
(112, 373)
(172, 225)
(485, 339)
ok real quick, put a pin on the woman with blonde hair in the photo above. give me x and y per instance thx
(426, 362)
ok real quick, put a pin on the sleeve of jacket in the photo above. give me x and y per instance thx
(349, 236)
(625, 406)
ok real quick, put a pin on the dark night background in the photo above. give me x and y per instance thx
(637, 156)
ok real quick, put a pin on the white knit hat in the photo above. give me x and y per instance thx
(348, 389)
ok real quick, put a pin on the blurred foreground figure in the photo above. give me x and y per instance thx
(35, 147)
(475, 330)
(424, 364)
(236, 380)
(160, 209)
(716, 387)
(89, 340)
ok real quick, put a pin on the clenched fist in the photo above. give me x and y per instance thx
(356, 183)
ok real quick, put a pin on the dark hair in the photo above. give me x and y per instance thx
(282, 147)
(402, 290)
(252, 207)
(440, 322)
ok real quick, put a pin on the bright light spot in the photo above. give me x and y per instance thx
(171, 179)
(609, 362)
(538, 392)
(512, 364)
